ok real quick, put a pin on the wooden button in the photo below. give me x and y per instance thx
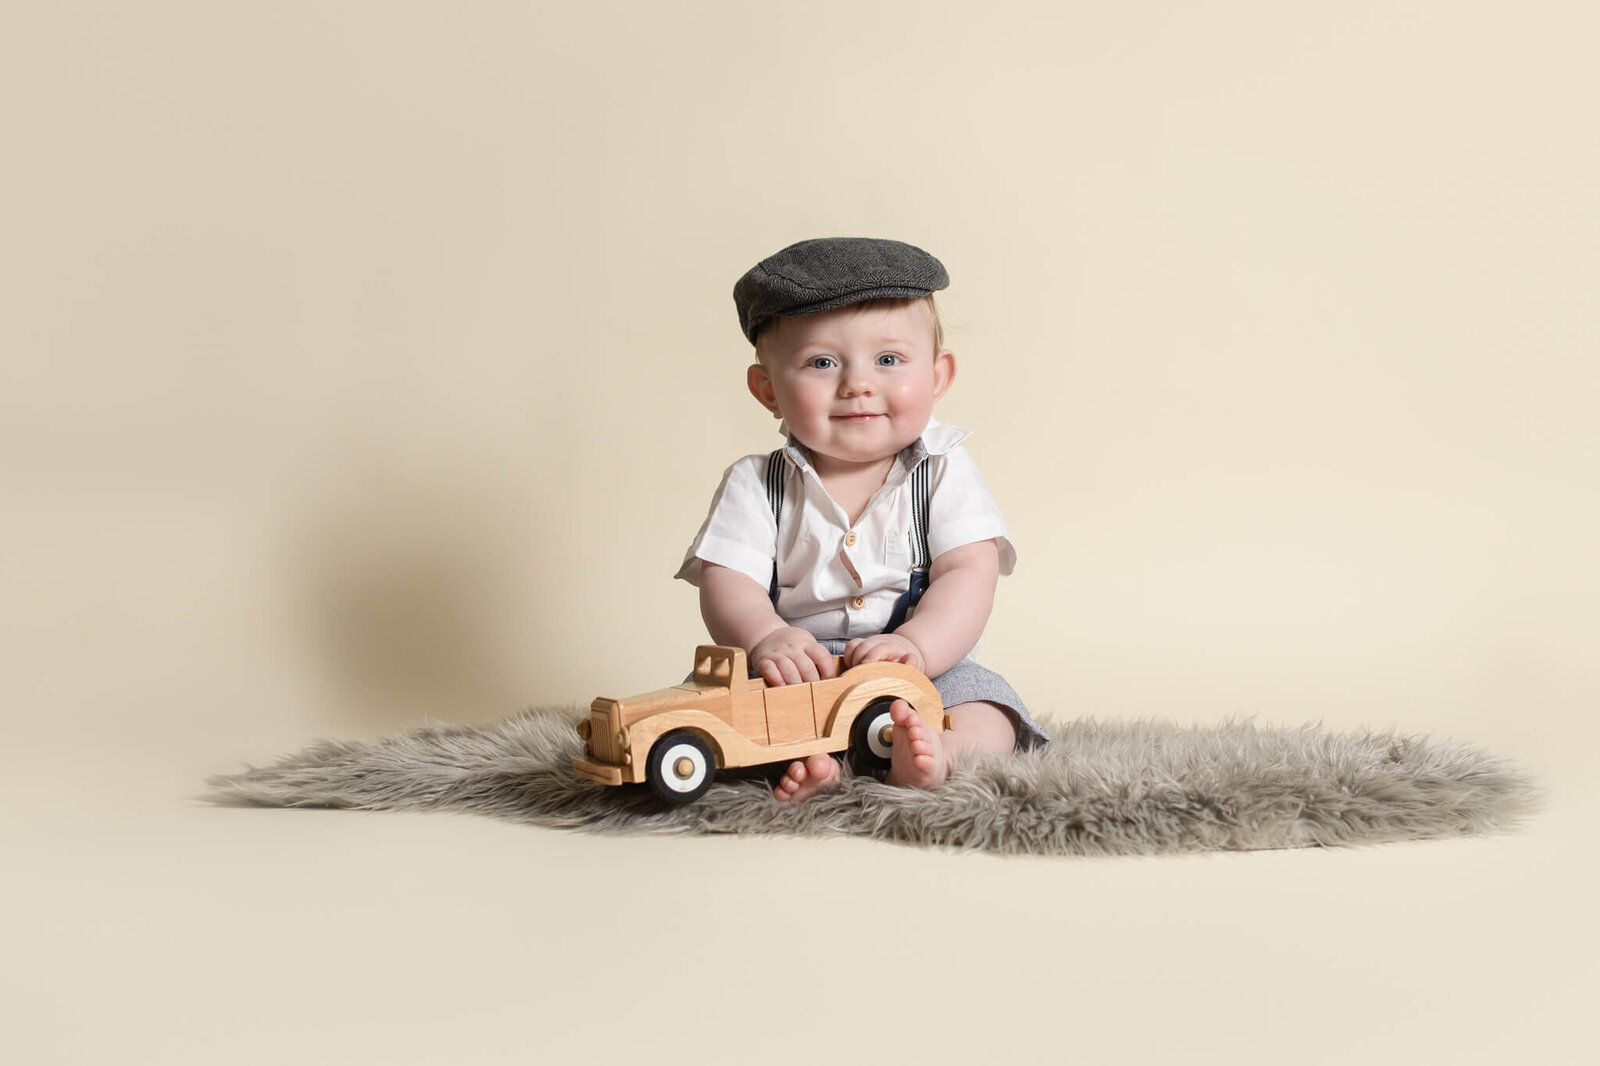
(850, 539)
(858, 603)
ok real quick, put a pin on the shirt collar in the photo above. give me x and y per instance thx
(937, 439)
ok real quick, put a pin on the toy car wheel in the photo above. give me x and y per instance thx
(681, 767)
(869, 735)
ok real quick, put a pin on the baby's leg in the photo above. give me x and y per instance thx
(805, 778)
(921, 758)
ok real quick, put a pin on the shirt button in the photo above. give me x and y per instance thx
(850, 539)
(858, 603)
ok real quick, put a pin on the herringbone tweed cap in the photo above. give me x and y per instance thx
(832, 272)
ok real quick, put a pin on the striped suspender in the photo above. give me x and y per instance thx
(919, 531)
(775, 484)
(919, 516)
(918, 581)
(775, 501)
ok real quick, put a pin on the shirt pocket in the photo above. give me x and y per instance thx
(897, 550)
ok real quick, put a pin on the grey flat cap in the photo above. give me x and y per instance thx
(832, 272)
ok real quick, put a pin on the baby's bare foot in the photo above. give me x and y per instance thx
(918, 759)
(806, 778)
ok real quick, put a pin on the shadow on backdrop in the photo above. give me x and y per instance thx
(412, 565)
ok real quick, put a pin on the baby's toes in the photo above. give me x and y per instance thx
(916, 730)
(790, 782)
(822, 769)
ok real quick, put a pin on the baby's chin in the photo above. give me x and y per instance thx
(857, 441)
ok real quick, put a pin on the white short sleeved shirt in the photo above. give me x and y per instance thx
(837, 580)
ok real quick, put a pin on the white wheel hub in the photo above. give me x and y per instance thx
(683, 767)
(879, 732)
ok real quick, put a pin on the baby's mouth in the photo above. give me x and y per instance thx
(860, 416)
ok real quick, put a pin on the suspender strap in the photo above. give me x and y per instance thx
(919, 546)
(775, 474)
(919, 516)
(908, 599)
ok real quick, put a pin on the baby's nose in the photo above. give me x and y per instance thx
(857, 384)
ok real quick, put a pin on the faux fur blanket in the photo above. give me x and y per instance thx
(1101, 788)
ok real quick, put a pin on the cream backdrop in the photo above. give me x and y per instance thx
(368, 364)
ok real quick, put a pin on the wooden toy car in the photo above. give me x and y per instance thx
(678, 738)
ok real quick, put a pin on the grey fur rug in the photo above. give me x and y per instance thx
(1101, 788)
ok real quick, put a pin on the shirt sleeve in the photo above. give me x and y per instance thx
(740, 532)
(962, 511)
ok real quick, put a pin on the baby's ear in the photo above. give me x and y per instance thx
(760, 384)
(944, 372)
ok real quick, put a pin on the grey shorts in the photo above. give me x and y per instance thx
(967, 681)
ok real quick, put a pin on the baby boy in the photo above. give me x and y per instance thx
(871, 535)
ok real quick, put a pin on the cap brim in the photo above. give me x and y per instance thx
(833, 303)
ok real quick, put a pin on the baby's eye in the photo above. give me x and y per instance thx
(889, 359)
(821, 362)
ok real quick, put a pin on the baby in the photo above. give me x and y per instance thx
(871, 535)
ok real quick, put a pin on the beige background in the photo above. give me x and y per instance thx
(364, 365)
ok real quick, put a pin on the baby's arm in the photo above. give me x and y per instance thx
(949, 618)
(738, 612)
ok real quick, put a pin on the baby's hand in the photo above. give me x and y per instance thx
(789, 656)
(883, 648)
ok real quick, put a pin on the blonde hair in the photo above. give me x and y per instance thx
(881, 303)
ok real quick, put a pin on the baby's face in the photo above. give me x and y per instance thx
(855, 386)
